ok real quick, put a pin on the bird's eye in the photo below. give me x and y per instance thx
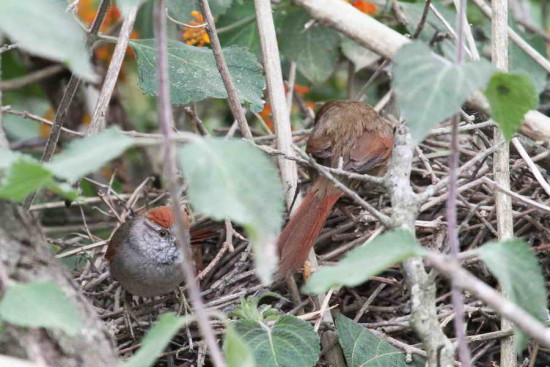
(163, 233)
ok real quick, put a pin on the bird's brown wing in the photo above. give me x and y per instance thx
(372, 149)
(120, 234)
(319, 146)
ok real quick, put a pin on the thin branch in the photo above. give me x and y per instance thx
(468, 282)
(170, 164)
(232, 94)
(102, 105)
(203, 25)
(7, 48)
(501, 158)
(457, 298)
(423, 18)
(467, 32)
(514, 195)
(192, 112)
(534, 29)
(30, 116)
(277, 100)
(32, 78)
(337, 171)
(291, 83)
(532, 166)
(384, 219)
(4, 143)
(432, 189)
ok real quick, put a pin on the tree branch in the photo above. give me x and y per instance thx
(232, 94)
(165, 117)
(276, 93)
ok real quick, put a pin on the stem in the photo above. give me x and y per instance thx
(277, 99)
(102, 105)
(165, 118)
(452, 231)
(232, 94)
(66, 100)
(501, 168)
(4, 144)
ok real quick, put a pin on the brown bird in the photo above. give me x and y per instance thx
(346, 134)
(143, 255)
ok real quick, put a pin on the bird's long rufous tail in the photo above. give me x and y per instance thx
(299, 235)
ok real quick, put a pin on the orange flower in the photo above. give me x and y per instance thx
(364, 6)
(196, 36)
(302, 89)
(46, 129)
(266, 115)
(266, 112)
(87, 10)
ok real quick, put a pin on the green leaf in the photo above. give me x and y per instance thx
(314, 49)
(23, 178)
(89, 154)
(250, 309)
(430, 89)
(232, 179)
(9, 157)
(365, 261)
(238, 26)
(519, 273)
(432, 26)
(40, 304)
(44, 28)
(17, 127)
(236, 351)
(194, 75)
(364, 349)
(181, 10)
(510, 97)
(156, 340)
(522, 62)
(290, 342)
(360, 56)
(126, 5)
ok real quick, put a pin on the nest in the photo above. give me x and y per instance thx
(382, 304)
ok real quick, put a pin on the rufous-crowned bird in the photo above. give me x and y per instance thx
(143, 255)
(346, 134)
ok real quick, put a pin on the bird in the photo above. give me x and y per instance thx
(143, 255)
(346, 134)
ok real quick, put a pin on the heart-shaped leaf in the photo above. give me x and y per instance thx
(156, 340)
(40, 304)
(314, 48)
(290, 342)
(510, 97)
(236, 351)
(194, 75)
(232, 179)
(181, 10)
(430, 89)
(23, 178)
(366, 261)
(44, 28)
(358, 54)
(87, 155)
(364, 349)
(519, 273)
